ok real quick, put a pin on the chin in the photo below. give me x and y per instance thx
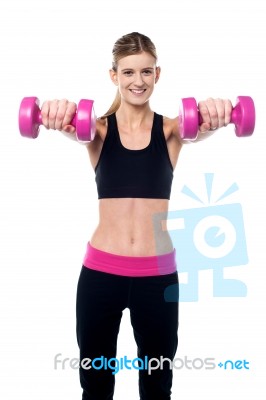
(140, 102)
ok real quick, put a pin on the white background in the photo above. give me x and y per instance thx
(61, 48)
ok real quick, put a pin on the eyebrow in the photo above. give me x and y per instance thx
(131, 69)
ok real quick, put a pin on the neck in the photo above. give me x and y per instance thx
(130, 114)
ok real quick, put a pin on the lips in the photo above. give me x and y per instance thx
(137, 91)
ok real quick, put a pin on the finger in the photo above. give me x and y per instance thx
(220, 108)
(228, 112)
(204, 112)
(52, 113)
(45, 114)
(69, 129)
(213, 113)
(204, 127)
(69, 115)
(60, 114)
(209, 114)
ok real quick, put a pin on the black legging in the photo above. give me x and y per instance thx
(101, 299)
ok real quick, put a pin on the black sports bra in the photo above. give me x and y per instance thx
(144, 173)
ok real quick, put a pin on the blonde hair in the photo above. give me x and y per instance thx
(127, 45)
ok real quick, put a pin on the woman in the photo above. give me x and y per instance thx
(128, 263)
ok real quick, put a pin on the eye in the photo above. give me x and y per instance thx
(127, 73)
(147, 72)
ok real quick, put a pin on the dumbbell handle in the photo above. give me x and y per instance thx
(39, 119)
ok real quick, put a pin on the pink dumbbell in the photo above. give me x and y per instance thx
(243, 116)
(30, 119)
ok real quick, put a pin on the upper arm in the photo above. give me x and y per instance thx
(173, 140)
(95, 146)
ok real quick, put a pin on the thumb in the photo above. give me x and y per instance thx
(204, 127)
(69, 129)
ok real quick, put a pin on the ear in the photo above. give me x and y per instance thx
(157, 74)
(113, 76)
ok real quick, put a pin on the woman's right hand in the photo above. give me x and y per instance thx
(58, 114)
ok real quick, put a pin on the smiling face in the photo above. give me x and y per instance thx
(135, 77)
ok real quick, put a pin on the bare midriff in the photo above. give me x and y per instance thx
(129, 227)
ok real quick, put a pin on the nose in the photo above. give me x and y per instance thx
(138, 80)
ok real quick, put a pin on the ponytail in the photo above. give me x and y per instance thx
(115, 105)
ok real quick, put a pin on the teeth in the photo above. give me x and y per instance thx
(137, 91)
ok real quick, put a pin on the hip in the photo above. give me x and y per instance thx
(137, 266)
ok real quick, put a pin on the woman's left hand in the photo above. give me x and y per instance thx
(215, 113)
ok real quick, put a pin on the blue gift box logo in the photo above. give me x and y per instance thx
(207, 237)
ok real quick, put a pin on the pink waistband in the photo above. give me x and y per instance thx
(129, 266)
